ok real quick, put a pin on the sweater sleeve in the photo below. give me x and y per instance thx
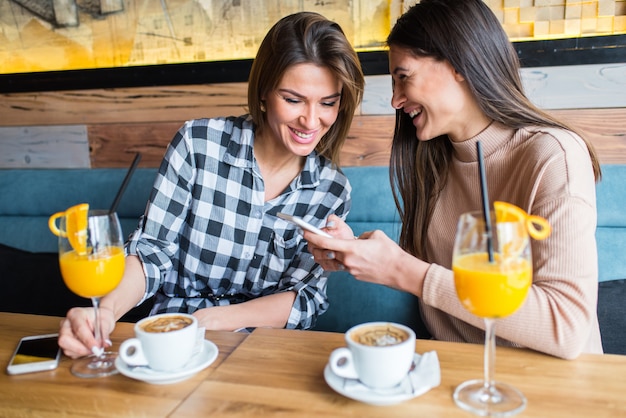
(559, 316)
(560, 311)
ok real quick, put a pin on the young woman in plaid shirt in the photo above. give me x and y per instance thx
(209, 242)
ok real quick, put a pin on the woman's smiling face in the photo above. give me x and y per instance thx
(431, 92)
(302, 108)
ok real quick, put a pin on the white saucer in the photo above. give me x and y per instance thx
(197, 363)
(354, 389)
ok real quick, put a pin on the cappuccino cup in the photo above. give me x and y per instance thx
(379, 354)
(163, 342)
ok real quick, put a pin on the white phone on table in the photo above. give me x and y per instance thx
(302, 224)
(35, 353)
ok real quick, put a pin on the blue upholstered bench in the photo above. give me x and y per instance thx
(29, 197)
(611, 240)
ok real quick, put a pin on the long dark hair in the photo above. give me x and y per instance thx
(308, 37)
(468, 35)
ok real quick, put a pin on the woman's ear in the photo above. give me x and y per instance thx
(458, 76)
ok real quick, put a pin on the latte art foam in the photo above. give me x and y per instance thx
(380, 336)
(166, 324)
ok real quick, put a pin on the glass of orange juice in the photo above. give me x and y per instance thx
(492, 274)
(91, 257)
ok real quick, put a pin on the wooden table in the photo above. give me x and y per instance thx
(280, 373)
(59, 393)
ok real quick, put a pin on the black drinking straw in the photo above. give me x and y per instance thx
(485, 200)
(129, 174)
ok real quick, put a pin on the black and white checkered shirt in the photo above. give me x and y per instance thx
(208, 237)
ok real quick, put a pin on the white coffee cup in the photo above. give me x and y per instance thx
(160, 344)
(379, 354)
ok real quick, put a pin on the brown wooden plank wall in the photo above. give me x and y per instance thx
(120, 122)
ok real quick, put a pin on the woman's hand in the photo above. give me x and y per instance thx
(373, 257)
(337, 227)
(76, 333)
(368, 258)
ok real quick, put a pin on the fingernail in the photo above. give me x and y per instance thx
(108, 342)
(330, 224)
(341, 267)
(97, 351)
(330, 255)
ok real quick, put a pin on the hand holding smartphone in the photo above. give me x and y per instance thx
(35, 353)
(302, 224)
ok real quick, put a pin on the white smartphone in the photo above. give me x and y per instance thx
(35, 353)
(302, 224)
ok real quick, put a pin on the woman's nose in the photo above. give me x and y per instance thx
(397, 99)
(309, 116)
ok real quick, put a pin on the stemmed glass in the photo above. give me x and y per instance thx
(492, 275)
(91, 257)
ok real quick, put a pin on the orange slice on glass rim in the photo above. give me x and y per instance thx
(538, 227)
(75, 226)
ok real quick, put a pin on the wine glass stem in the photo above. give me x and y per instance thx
(97, 331)
(490, 356)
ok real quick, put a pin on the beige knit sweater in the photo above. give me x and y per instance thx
(547, 172)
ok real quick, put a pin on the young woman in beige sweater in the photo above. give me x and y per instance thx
(456, 81)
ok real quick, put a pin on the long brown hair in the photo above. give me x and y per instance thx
(468, 35)
(308, 37)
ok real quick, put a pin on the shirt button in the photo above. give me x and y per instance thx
(246, 255)
(257, 214)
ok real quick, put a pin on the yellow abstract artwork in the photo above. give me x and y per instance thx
(54, 35)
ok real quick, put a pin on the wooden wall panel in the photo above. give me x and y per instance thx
(368, 143)
(64, 146)
(121, 122)
(115, 145)
(595, 86)
(605, 128)
(123, 105)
